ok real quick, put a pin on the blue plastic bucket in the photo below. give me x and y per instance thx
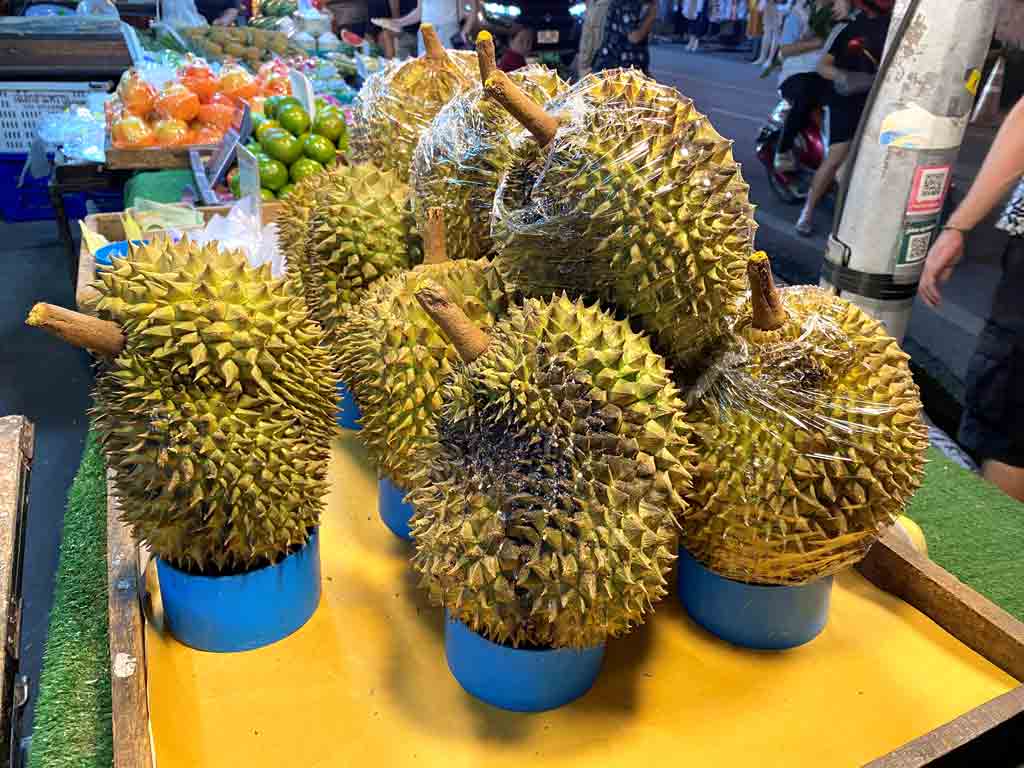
(394, 510)
(348, 410)
(105, 256)
(239, 613)
(762, 616)
(518, 679)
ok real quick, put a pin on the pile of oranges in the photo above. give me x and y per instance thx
(196, 108)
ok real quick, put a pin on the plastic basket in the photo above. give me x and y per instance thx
(26, 198)
(23, 104)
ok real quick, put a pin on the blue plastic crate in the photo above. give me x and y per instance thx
(26, 198)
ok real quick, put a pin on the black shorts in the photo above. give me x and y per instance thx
(843, 116)
(992, 426)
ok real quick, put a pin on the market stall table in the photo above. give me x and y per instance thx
(365, 681)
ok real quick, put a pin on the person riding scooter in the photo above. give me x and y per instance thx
(799, 81)
(850, 63)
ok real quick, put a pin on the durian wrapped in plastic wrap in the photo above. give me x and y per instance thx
(396, 105)
(619, 188)
(808, 430)
(460, 158)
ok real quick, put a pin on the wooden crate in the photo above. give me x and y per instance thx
(152, 158)
(110, 226)
(891, 565)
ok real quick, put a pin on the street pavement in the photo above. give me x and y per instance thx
(726, 87)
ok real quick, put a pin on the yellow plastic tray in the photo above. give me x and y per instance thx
(365, 682)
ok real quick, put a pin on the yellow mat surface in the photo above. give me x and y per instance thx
(365, 682)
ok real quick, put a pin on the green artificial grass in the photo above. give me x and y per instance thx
(973, 530)
(73, 712)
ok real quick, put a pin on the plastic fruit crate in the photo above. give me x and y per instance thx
(23, 104)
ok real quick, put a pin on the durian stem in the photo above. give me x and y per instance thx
(524, 109)
(434, 247)
(432, 43)
(485, 55)
(101, 336)
(468, 340)
(768, 312)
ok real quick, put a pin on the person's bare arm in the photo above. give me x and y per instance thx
(801, 46)
(396, 8)
(412, 17)
(827, 67)
(640, 34)
(1003, 166)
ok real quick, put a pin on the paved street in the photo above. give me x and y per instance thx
(727, 88)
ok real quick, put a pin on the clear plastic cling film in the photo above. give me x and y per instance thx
(810, 442)
(458, 162)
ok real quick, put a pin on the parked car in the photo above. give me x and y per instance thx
(556, 24)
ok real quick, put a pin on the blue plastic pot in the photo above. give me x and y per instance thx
(105, 256)
(761, 616)
(394, 510)
(348, 411)
(518, 679)
(239, 613)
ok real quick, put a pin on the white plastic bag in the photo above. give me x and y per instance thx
(241, 229)
(181, 13)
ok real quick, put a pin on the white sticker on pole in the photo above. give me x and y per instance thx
(302, 90)
(928, 192)
(248, 176)
(916, 128)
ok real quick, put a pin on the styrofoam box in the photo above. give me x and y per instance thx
(23, 104)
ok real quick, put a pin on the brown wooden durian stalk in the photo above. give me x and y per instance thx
(467, 338)
(767, 312)
(434, 247)
(100, 336)
(529, 113)
(485, 55)
(432, 43)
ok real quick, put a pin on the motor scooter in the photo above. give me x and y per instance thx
(809, 149)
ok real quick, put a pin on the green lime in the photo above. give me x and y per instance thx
(293, 119)
(270, 105)
(273, 174)
(233, 183)
(263, 127)
(285, 190)
(285, 101)
(285, 147)
(330, 125)
(257, 118)
(266, 194)
(271, 135)
(320, 149)
(253, 146)
(303, 168)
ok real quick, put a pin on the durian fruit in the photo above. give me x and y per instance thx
(620, 189)
(458, 161)
(394, 359)
(397, 104)
(809, 436)
(217, 408)
(293, 225)
(547, 512)
(359, 230)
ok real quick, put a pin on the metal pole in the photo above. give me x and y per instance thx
(903, 158)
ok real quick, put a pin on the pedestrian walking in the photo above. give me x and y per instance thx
(626, 33)
(992, 426)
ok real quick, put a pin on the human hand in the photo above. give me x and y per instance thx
(636, 37)
(943, 256)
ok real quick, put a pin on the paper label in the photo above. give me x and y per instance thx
(916, 128)
(248, 175)
(915, 241)
(928, 192)
(302, 90)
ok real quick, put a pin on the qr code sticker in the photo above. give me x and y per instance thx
(917, 246)
(933, 185)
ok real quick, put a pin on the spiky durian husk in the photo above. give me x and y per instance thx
(360, 231)
(293, 226)
(396, 105)
(218, 413)
(459, 160)
(394, 359)
(638, 200)
(810, 442)
(547, 515)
